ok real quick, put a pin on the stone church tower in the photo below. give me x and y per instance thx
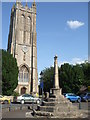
(23, 45)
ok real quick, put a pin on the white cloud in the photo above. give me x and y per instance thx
(74, 61)
(77, 61)
(74, 24)
(61, 63)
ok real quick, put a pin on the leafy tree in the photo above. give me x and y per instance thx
(78, 78)
(71, 77)
(9, 73)
(66, 77)
(86, 70)
(48, 77)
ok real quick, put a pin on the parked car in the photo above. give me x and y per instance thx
(4, 99)
(85, 96)
(28, 98)
(72, 97)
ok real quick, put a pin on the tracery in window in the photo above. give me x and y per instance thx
(22, 21)
(23, 74)
(28, 20)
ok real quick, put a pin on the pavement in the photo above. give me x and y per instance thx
(17, 114)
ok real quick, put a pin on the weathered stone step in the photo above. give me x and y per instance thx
(44, 103)
(58, 115)
(53, 103)
(60, 99)
(41, 113)
(71, 114)
(61, 108)
(46, 108)
(52, 99)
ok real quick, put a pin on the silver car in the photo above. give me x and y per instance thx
(27, 98)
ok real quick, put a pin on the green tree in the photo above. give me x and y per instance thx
(71, 77)
(66, 77)
(48, 77)
(86, 70)
(78, 78)
(9, 73)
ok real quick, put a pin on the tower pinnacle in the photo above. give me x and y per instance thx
(26, 2)
(18, 1)
(34, 4)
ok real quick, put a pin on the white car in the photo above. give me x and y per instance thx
(27, 98)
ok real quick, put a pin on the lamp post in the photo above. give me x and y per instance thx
(41, 83)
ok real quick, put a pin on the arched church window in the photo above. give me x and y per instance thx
(22, 18)
(28, 22)
(23, 74)
(22, 21)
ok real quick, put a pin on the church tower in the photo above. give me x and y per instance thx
(22, 44)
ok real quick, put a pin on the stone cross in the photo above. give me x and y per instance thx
(56, 80)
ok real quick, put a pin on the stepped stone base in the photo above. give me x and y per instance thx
(60, 115)
(42, 114)
(57, 108)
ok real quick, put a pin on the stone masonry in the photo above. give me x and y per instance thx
(22, 44)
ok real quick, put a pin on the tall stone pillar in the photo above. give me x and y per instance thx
(56, 78)
(56, 91)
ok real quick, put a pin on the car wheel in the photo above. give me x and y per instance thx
(5, 102)
(78, 100)
(22, 101)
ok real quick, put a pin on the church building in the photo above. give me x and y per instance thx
(22, 44)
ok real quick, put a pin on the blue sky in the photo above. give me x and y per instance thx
(62, 29)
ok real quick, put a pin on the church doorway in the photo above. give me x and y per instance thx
(23, 90)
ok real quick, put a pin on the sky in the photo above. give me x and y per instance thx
(62, 30)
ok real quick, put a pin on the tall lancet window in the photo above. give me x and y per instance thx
(28, 22)
(22, 21)
(28, 29)
(22, 18)
(22, 27)
(23, 74)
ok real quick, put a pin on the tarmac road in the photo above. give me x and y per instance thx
(17, 114)
(84, 105)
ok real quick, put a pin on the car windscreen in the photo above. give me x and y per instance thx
(71, 94)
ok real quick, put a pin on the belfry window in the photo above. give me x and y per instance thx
(28, 23)
(28, 20)
(23, 74)
(22, 19)
(22, 22)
